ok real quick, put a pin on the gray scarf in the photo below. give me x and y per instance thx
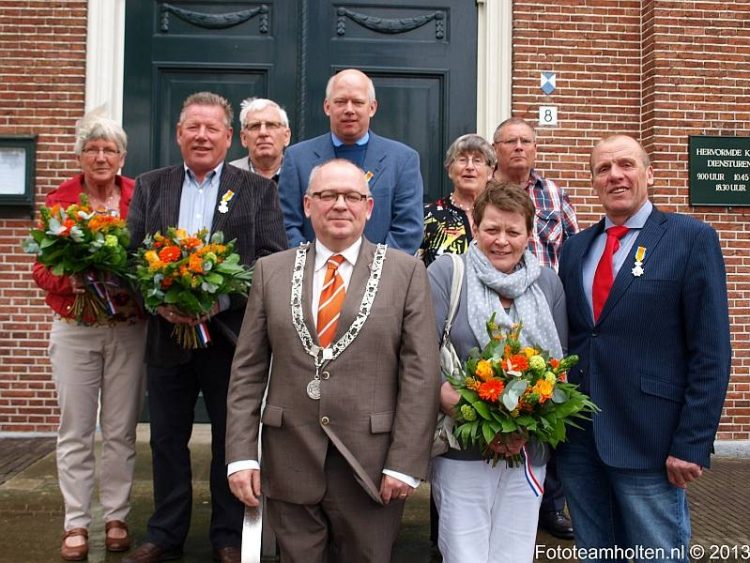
(486, 284)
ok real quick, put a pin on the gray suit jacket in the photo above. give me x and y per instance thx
(254, 219)
(380, 396)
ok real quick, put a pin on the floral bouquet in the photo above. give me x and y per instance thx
(506, 388)
(80, 241)
(189, 273)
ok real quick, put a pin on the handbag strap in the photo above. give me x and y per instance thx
(456, 283)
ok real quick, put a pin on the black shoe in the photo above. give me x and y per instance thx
(557, 524)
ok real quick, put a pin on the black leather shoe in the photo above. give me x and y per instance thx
(228, 555)
(152, 553)
(557, 524)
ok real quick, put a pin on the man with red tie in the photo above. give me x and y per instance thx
(353, 387)
(647, 312)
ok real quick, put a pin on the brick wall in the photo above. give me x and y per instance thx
(42, 81)
(656, 69)
(661, 71)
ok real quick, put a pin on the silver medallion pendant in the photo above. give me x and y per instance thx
(313, 389)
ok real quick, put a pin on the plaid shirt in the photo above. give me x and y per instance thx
(555, 219)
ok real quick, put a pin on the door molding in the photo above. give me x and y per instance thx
(105, 56)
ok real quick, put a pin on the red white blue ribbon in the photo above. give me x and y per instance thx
(204, 337)
(531, 479)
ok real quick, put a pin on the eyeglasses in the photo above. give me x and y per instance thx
(329, 196)
(93, 153)
(271, 126)
(525, 142)
(475, 161)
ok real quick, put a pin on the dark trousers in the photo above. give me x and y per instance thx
(553, 499)
(172, 393)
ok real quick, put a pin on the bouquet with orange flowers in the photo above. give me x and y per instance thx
(189, 273)
(507, 388)
(78, 240)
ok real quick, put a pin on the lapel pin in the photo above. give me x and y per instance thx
(640, 254)
(225, 199)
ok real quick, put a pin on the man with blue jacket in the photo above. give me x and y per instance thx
(647, 310)
(391, 168)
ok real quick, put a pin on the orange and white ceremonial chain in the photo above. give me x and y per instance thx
(327, 350)
(331, 300)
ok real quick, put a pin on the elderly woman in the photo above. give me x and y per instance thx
(489, 514)
(469, 162)
(97, 367)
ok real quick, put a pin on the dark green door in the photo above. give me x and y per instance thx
(421, 56)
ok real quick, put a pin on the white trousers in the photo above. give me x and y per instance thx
(487, 514)
(93, 365)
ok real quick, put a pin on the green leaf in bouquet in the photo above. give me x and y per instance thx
(214, 279)
(189, 304)
(509, 425)
(217, 238)
(47, 242)
(513, 392)
(487, 433)
(558, 395)
(468, 395)
(172, 296)
(482, 409)
(58, 269)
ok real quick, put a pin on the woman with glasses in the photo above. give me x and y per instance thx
(97, 366)
(469, 162)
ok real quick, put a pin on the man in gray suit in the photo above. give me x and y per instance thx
(203, 192)
(391, 168)
(348, 423)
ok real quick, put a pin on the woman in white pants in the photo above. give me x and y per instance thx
(489, 514)
(97, 366)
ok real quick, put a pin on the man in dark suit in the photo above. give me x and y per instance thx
(391, 168)
(351, 406)
(647, 309)
(202, 192)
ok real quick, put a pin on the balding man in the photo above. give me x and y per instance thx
(391, 168)
(353, 388)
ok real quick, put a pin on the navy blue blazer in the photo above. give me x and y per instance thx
(396, 186)
(657, 361)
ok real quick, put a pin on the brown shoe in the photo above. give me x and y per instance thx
(78, 552)
(228, 555)
(152, 553)
(113, 543)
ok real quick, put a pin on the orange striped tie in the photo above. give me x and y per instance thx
(331, 299)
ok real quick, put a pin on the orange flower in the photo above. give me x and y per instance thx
(491, 390)
(169, 254)
(166, 283)
(192, 242)
(554, 362)
(562, 376)
(544, 388)
(519, 362)
(195, 263)
(484, 370)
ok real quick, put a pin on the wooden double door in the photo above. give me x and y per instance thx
(420, 54)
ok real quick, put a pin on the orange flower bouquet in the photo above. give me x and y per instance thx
(79, 241)
(189, 273)
(506, 388)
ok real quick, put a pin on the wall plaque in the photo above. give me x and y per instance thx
(719, 170)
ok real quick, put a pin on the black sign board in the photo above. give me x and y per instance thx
(719, 170)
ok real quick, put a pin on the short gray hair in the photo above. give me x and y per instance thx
(208, 99)
(339, 161)
(513, 121)
(470, 143)
(94, 126)
(251, 105)
(370, 85)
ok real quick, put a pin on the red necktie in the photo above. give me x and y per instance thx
(603, 277)
(331, 298)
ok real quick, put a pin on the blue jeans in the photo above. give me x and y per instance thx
(628, 508)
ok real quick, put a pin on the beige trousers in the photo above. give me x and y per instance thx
(97, 367)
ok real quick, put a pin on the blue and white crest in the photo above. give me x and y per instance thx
(548, 82)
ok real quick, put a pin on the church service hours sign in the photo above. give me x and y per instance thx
(719, 170)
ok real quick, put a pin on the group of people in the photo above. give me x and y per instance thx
(332, 355)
